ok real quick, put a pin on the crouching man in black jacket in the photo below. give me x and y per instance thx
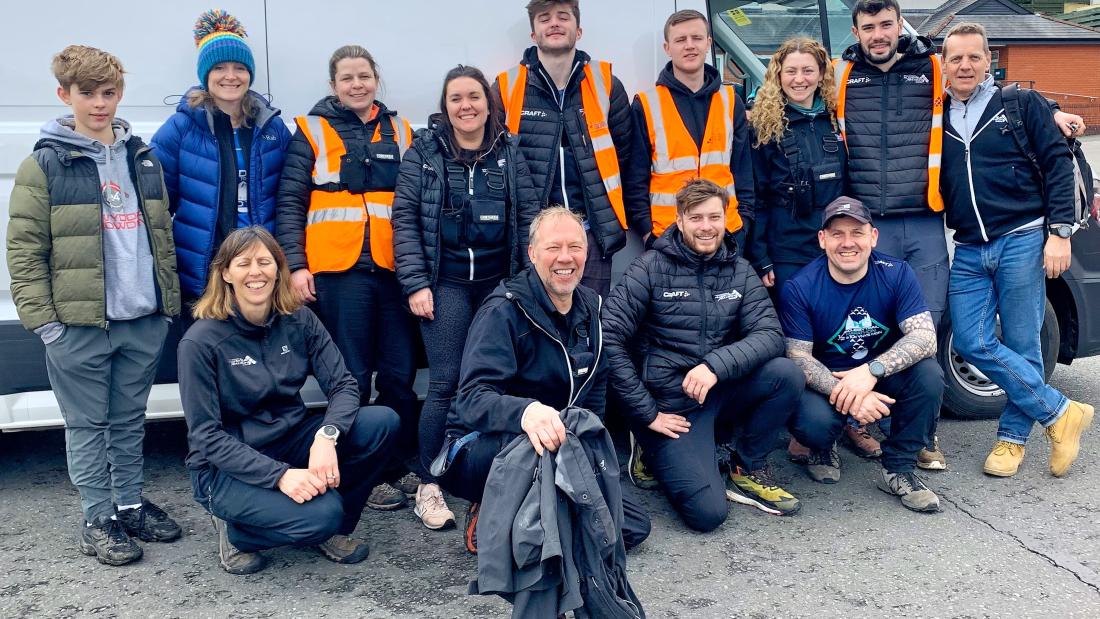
(711, 362)
(534, 349)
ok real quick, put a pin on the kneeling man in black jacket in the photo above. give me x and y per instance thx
(534, 349)
(710, 361)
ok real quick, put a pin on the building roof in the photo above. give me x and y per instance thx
(1005, 22)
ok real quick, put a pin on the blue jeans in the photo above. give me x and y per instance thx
(1005, 276)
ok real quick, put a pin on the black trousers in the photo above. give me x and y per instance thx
(919, 394)
(470, 469)
(367, 317)
(261, 518)
(758, 404)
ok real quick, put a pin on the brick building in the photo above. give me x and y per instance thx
(1058, 58)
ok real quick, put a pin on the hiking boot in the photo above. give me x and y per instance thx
(409, 484)
(231, 558)
(471, 528)
(861, 442)
(108, 541)
(149, 523)
(386, 498)
(1004, 460)
(432, 509)
(639, 476)
(344, 549)
(797, 452)
(932, 459)
(1065, 436)
(914, 494)
(758, 489)
(824, 466)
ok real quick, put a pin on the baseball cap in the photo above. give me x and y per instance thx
(847, 207)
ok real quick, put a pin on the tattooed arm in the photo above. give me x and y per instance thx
(917, 342)
(818, 377)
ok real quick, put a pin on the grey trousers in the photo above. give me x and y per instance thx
(920, 240)
(101, 378)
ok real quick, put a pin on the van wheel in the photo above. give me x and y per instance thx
(969, 394)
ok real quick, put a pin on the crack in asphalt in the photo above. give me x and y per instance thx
(1092, 581)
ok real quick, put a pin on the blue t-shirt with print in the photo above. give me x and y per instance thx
(850, 324)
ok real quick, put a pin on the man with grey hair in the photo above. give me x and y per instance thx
(1009, 199)
(533, 350)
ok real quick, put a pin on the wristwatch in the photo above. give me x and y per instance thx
(330, 432)
(1063, 231)
(876, 368)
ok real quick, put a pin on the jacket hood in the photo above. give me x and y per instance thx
(531, 59)
(672, 245)
(912, 47)
(205, 117)
(61, 135)
(711, 81)
(526, 290)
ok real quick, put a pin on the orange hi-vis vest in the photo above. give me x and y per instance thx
(336, 221)
(596, 101)
(676, 158)
(843, 68)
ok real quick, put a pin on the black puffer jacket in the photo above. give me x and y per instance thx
(792, 190)
(421, 189)
(542, 144)
(296, 182)
(888, 119)
(688, 311)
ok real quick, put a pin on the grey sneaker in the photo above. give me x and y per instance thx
(911, 489)
(387, 498)
(824, 466)
(932, 459)
(344, 549)
(107, 540)
(408, 484)
(231, 558)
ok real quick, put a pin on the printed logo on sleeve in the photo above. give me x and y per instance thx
(245, 360)
(732, 295)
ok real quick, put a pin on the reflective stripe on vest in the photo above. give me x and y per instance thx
(843, 68)
(676, 158)
(335, 221)
(596, 102)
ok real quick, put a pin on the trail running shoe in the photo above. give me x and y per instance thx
(758, 489)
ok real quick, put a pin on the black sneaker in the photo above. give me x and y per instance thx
(149, 523)
(107, 540)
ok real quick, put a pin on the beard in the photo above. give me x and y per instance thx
(882, 58)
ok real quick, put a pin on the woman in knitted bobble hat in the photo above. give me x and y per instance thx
(222, 151)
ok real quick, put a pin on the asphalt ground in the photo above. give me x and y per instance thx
(1023, 547)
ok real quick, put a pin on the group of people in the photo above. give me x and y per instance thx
(795, 275)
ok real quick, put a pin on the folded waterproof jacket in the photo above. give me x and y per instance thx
(549, 527)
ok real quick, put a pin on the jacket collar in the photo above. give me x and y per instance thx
(205, 117)
(526, 290)
(912, 47)
(711, 82)
(672, 245)
(531, 59)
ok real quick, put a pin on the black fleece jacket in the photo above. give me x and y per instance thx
(239, 384)
(520, 350)
(998, 189)
(553, 137)
(296, 182)
(688, 310)
(694, 108)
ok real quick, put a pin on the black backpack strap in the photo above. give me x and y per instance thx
(1010, 99)
(789, 144)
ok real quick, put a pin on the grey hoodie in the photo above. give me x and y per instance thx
(127, 259)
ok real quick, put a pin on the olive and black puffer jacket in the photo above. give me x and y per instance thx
(687, 310)
(418, 202)
(547, 153)
(888, 118)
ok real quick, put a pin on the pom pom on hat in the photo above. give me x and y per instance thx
(219, 37)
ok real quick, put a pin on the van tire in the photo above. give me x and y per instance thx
(968, 394)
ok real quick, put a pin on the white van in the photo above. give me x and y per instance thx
(414, 42)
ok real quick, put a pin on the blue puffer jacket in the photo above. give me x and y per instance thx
(188, 151)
